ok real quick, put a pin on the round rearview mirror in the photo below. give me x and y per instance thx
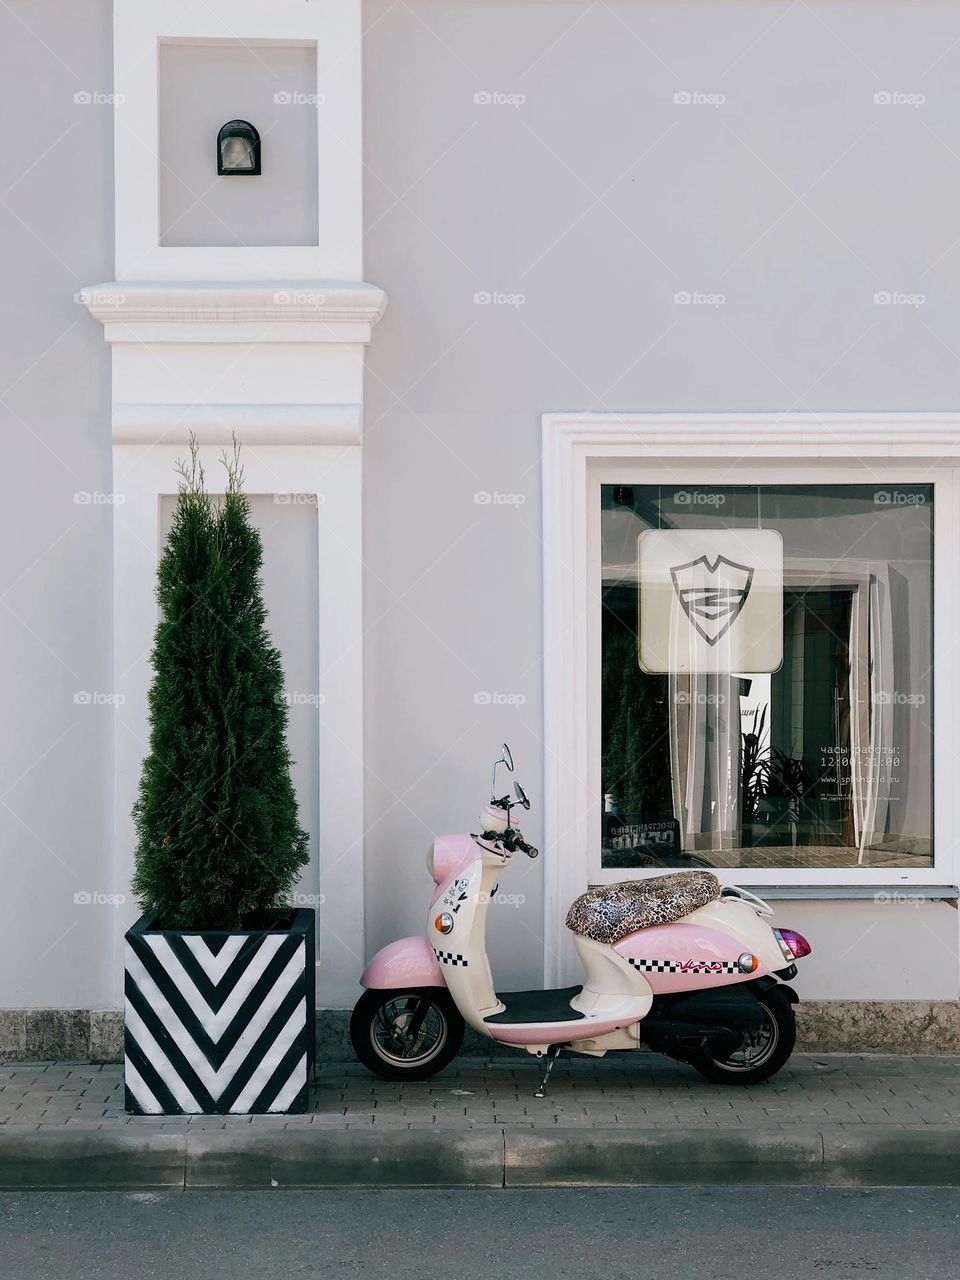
(521, 795)
(506, 757)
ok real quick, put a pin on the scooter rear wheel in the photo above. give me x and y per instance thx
(407, 1034)
(763, 1053)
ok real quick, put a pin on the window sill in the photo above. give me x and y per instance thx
(866, 892)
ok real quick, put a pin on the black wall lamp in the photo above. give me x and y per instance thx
(238, 150)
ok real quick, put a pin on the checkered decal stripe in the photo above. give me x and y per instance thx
(680, 966)
(450, 957)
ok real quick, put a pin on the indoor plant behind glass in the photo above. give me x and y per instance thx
(219, 983)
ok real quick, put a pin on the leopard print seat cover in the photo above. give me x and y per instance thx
(609, 912)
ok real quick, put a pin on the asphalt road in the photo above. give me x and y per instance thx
(643, 1234)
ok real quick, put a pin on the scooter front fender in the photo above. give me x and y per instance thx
(408, 962)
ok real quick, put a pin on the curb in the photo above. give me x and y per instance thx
(495, 1157)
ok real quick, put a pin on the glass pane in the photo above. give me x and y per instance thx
(824, 758)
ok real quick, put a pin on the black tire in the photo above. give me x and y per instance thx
(377, 1032)
(761, 1061)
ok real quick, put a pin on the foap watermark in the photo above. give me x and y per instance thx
(899, 498)
(496, 298)
(497, 98)
(697, 698)
(99, 298)
(299, 499)
(301, 698)
(94, 498)
(298, 899)
(97, 898)
(493, 698)
(897, 898)
(98, 698)
(897, 698)
(299, 298)
(494, 498)
(698, 498)
(697, 298)
(297, 98)
(897, 298)
(698, 98)
(898, 98)
(97, 98)
(502, 899)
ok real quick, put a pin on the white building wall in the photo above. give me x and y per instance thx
(598, 198)
(580, 211)
(56, 233)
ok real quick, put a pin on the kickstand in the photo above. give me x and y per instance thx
(552, 1054)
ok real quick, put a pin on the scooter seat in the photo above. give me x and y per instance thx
(609, 912)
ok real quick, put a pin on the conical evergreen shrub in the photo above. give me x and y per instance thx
(219, 838)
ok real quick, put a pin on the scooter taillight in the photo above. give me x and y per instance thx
(793, 942)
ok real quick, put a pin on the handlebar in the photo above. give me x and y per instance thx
(513, 841)
(498, 814)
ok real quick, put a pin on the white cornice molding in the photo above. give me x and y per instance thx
(284, 311)
(755, 435)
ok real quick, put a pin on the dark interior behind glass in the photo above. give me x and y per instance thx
(826, 762)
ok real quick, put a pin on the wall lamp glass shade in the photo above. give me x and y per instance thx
(238, 149)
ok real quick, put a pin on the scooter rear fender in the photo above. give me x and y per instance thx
(408, 962)
(766, 982)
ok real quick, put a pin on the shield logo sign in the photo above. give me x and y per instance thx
(712, 595)
(711, 600)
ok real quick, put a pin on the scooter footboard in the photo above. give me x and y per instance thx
(408, 962)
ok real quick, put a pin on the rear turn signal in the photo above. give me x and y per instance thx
(747, 962)
(443, 922)
(793, 945)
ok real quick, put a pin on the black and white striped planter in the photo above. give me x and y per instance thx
(219, 1023)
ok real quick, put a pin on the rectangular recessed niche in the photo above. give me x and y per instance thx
(202, 85)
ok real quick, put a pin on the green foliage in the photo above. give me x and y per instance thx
(636, 743)
(219, 838)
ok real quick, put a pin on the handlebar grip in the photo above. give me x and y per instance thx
(512, 841)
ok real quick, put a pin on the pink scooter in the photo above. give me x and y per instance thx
(676, 964)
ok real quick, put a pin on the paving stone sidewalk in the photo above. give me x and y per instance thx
(833, 1092)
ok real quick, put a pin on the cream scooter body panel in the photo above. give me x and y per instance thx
(749, 931)
(462, 953)
(615, 995)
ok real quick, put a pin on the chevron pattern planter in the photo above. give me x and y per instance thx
(219, 1023)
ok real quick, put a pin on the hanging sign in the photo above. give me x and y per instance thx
(711, 600)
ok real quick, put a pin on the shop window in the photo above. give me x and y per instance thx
(767, 676)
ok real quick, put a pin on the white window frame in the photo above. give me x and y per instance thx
(581, 451)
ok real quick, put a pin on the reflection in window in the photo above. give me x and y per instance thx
(826, 761)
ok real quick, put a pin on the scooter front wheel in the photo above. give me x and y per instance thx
(407, 1034)
(763, 1052)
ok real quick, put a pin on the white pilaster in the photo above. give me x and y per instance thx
(264, 343)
